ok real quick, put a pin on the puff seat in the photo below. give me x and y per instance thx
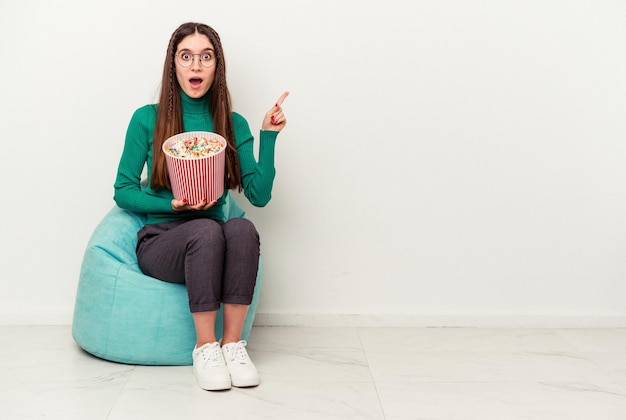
(124, 316)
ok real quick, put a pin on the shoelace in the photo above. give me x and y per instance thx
(211, 354)
(238, 353)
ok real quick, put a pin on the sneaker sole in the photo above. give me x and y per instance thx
(214, 386)
(245, 382)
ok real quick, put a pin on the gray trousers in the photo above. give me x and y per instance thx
(217, 261)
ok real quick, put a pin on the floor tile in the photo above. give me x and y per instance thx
(333, 373)
(159, 393)
(506, 401)
(613, 363)
(46, 375)
(337, 366)
(482, 367)
(596, 340)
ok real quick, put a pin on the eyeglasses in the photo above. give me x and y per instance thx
(185, 59)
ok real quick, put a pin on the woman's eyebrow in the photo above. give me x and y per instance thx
(187, 49)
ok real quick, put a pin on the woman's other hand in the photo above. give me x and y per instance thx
(274, 118)
(183, 205)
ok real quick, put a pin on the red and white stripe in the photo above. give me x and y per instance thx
(196, 179)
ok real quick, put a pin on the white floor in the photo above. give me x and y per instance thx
(333, 373)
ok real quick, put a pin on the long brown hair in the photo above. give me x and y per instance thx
(170, 115)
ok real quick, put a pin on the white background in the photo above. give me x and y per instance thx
(444, 160)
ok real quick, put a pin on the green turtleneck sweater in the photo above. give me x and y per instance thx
(257, 177)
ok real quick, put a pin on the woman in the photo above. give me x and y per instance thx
(192, 243)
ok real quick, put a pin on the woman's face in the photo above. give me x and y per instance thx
(195, 51)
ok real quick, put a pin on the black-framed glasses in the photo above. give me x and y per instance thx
(185, 59)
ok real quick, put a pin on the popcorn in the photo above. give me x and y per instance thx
(195, 147)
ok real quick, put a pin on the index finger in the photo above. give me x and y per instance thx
(281, 99)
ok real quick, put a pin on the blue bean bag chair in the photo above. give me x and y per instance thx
(125, 316)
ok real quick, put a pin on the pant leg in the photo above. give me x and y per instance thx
(190, 252)
(241, 262)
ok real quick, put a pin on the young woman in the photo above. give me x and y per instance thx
(193, 243)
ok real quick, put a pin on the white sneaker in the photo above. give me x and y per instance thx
(243, 373)
(210, 368)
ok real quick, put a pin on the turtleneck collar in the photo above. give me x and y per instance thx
(194, 105)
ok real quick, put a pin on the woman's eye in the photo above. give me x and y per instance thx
(206, 57)
(186, 56)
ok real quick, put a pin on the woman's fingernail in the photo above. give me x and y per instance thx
(184, 200)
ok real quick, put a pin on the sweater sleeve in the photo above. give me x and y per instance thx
(257, 177)
(137, 149)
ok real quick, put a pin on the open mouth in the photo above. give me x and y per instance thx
(195, 82)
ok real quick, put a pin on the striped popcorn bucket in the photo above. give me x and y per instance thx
(196, 178)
